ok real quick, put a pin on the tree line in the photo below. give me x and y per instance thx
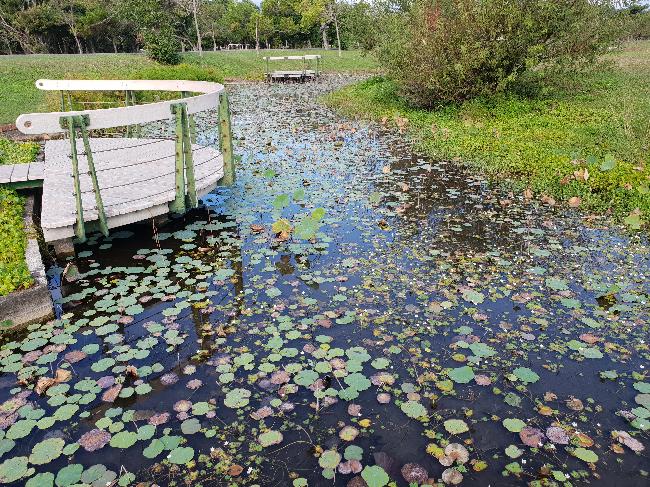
(162, 26)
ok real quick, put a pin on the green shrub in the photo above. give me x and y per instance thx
(17, 152)
(162, 45)
(448, 51)
(14, 273)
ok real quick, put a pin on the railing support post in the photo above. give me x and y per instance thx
(225, 141)
(80, 230)
(127, 102)
(192, 124)
(178, 205)
(72, 123)
(101, 215)
(191, 199)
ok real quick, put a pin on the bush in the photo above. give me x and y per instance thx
(641, 26)
(162, 46)
(446, 51)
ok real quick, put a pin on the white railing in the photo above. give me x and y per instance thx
(46, 123)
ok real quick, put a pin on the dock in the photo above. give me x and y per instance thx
(95, 181)
(311, 68)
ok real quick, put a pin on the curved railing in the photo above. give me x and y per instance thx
(45, 123)
(78, 124)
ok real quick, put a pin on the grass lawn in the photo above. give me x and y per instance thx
(18, 73)
(590, 142)
(14, 273)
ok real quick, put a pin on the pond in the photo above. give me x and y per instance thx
(348, 313)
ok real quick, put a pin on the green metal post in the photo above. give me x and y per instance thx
(127, 102)
(185, 94)
(191, 199)
(62, 107)
(136, 130)
(80, 230)
(178, 205)
(225, 141)
(103, 226)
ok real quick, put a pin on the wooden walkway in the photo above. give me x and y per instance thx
(136, 177)
(18, 176)
(304, 74)
(93, 183)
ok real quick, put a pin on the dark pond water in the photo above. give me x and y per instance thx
(411, 321)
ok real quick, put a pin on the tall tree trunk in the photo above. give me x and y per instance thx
(338, 37)
(323, 30)
(199, 41)
(257, 35)
(76, 39)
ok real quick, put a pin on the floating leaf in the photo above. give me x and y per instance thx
(270, 438)
(456, 426)
(413, 409)
(46, 451)
(329, 459)
(585, 455)
(461, 375)
(237, 398)
(181, 455)
(375, 476)
(526, 375)
(513, 424)
(124, 439)
(69, 475)
(13, 469)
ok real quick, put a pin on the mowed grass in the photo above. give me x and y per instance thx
(250, 65)
(586, 139)
(18, 73)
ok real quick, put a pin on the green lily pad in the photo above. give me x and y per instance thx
(46, 451)
(375, 476)
(69, 475)
(124, 439)
(13, 469)
(413, 409)
(585, 455)
(329, 459)
(526, 375)
(456, 426)
(461, 375)
(514, 425)
(270, 438)
(237, 398)
(181, 455)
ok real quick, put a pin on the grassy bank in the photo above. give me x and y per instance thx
(18, 73)
(589, 141)
(14, 273)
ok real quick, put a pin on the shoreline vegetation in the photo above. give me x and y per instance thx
(585, 144)
(14, 273)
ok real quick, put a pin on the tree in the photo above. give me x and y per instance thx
(358, 25)
(285, 18)
(444, 51)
